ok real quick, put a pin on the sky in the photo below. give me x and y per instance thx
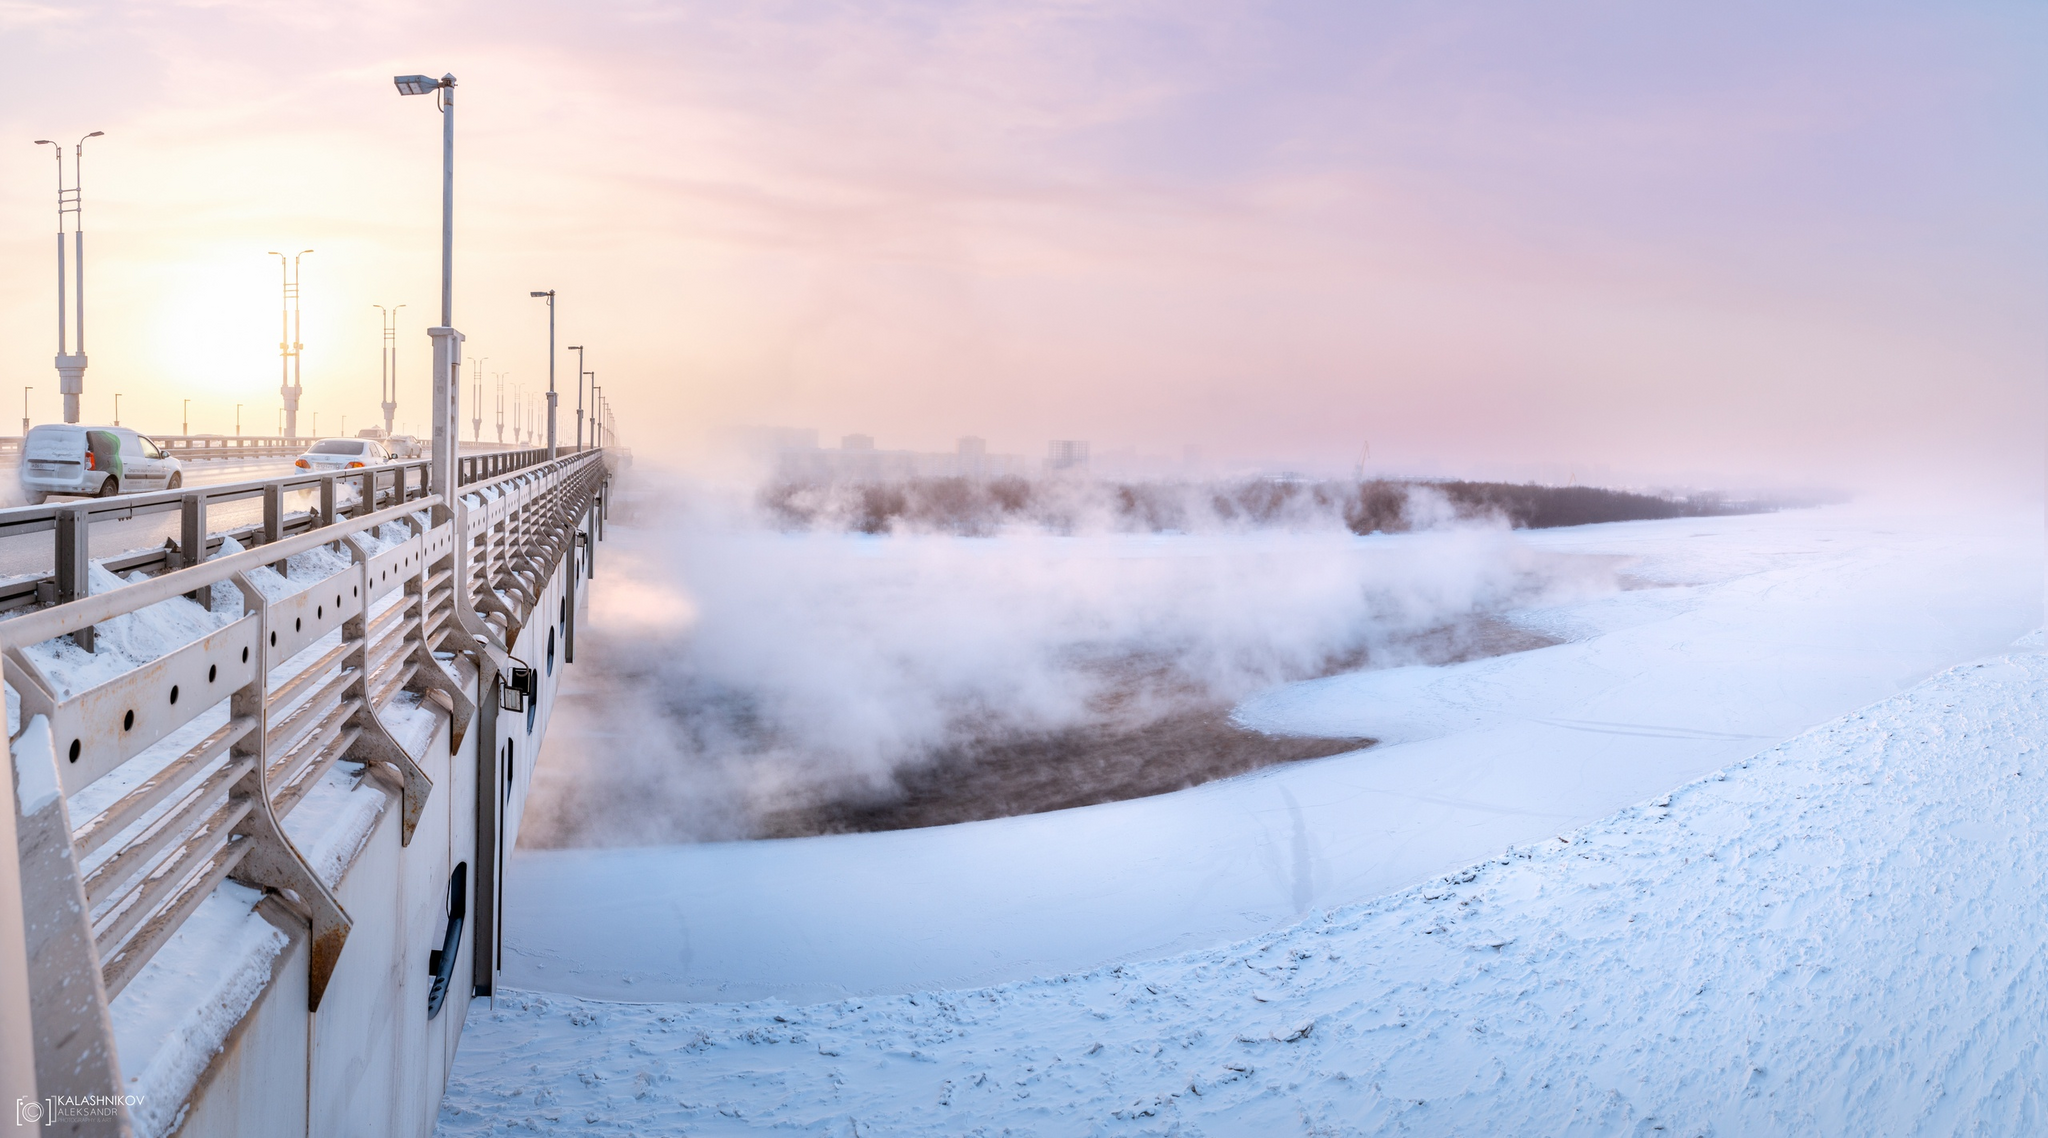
(1728, 245)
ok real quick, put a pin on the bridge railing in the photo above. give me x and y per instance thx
(478, 467)
(188, 448)
(337, 494)
(193, 757)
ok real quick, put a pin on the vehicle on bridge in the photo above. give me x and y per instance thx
(99, 462)
(343, 454)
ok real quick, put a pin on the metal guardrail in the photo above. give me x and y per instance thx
(188, 448)
(102, 895)
(376, 486)
(480, 466)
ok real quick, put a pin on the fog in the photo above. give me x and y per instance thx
(729, 668)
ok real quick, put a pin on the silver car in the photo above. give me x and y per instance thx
(66, 458)
(342, 454)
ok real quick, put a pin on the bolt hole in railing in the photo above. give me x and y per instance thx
(170, 806)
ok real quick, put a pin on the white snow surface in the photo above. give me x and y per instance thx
(1839, 936)
(176, 1014)
(1760, 627)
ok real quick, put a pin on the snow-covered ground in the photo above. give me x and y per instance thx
(1834, 935)
(1776, 623)
(1839, 936)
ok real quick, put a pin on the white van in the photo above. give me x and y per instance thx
(99, 462)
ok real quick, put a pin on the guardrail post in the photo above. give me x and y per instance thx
(74, 563)
(273, 520)
(327, 482)
(67, 998)
(192, 540)
(272, 861)
(17, 1035)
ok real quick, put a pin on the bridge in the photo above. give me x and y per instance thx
(269, 743)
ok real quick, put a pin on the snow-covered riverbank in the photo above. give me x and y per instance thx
(1760, 628)
(1841, 935)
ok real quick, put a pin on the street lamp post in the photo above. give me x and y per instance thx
(447, 341)
(185, 424)
(580, 373)
(117, 408)
(288, 346)
(71, 366)
(550, 294)
(24, 414)
(389, 363)
(238, 420)
(596, 411)
(476, 402)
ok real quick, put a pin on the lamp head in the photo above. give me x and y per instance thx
(415, 84)
(575, 347)
(96, 134)
(44, 142)
(549, 292)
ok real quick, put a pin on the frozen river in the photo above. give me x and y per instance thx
(1749, 631)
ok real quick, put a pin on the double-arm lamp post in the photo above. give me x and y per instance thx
(71, 200)
(291, 386)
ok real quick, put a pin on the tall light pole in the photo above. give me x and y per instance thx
(550, 294)
(596, 411)
(24, 413)
(185, 424)
(288, 346)
(389, 362)
(447, 341)
(580, 373)
(238, 420)
(501, 404)
(71, 365)
(117, 408)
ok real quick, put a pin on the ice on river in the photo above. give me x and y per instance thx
(1832, 934)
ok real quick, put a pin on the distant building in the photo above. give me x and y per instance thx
(1066, 454)
(795, 454)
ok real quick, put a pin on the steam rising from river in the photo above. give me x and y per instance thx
(732, 668)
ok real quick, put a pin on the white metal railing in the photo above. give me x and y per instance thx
(213, 743)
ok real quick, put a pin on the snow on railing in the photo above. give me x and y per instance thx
(227, 685)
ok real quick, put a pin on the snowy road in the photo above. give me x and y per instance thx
(1765, 626)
